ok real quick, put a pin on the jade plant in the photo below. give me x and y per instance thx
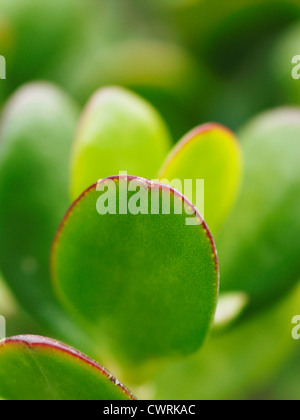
(138, 292)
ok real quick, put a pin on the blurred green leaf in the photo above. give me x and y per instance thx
(135, 63)
(36, 133)
(37, 30)
(8, 306)
(163, 72)
(146, 284)
(259, 245)
(178, 3)
(230, 307)
(210, 153)
(37, 368)
(286, 48)
(226, 26)
(118, 131)
(236, 364)
(286, 384)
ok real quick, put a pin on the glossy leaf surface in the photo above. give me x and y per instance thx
(145, 283)
(38, 368)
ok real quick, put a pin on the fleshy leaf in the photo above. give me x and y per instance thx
(146, 284)
(36, 134)
(118, 132)
(38, 368)
(259, 245)
(211, 153)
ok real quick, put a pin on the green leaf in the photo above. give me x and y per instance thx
(146, 284)
(38, 32)
(38, 368)
(259, 245)
(36, 133)
(119, 131)
(164, 73)
(157, 64)
(210, 152)
(236, 364)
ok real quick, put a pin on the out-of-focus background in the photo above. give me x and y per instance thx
(195, 60)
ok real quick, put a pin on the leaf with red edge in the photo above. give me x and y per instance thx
(211, 153)
(38, 368)
(146, 284)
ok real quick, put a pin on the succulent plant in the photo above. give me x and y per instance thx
(138, 291)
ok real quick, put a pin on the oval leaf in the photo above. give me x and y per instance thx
(36, 134)
(118, 131)
(145, 283)
(38, 368)
(259, 245)
(210, 153)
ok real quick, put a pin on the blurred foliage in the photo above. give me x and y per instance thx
(195, 61)
(138, 142)
(258, 246)
(176, 54)
(38, 125)
(236, 364)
